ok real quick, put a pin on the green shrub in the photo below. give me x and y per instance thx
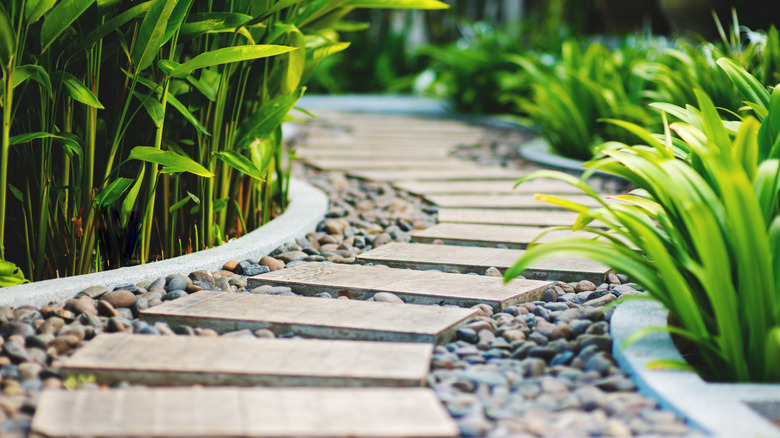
(705, 221)
(142, 130)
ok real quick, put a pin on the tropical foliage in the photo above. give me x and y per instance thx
(140, 130)
(702, 230)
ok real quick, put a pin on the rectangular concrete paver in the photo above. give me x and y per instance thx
(508, 201)
(484, 187)
(510, 217)
(478, 260)
(191, 360)
(371, 154)
(388, 142)
(383, 163)
(516, 237)
(243, 412)
(421, 287)
(464, 173)
(312, 317)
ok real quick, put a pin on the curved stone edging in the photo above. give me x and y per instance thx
(712, 407)
(307, 207)
(538, 151)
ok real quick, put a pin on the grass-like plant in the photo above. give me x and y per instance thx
(705, 219)
(586, 85)
(140, 130)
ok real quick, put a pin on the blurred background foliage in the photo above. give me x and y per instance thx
(401, 46)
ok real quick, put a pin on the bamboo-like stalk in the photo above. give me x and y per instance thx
(149, 214)
(8, 75)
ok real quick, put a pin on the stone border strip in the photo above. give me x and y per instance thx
(307, 207)
(712, 407)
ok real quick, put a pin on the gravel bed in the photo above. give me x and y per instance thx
(537, 369)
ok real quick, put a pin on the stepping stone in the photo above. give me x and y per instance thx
(424, 163)
(417, 287)
(492, 187)
(516, 237)
(510, 217)
(191, 360)
(387, 142)
(469, 259)
(511, 201)
(312, 317)
(464, 173)
(243, 412)
(408, 148)
(370, 154)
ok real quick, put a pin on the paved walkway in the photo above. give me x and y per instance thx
(363, 372)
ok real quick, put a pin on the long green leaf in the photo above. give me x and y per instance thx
(10, 274)
(294, 62)
(151, 34)
(35, 9)
(241, 163)
(34, 72)
(129, 203)
(113, 192)
(264, 121)
(174, 161)
(225, 55)
(179, 13)
(746, 83)
(70, 143)
(7, 39)
(60, 18)
(74, 88)
(112, 25)
(397, 4)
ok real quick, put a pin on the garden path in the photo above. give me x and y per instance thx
(345, 382)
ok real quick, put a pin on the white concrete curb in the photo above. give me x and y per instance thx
(720, 409)
(307, 207)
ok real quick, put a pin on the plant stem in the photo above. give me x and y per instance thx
(7, 101)
(149, 214)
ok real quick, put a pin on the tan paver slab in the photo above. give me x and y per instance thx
(385, 141)
(469, 259)
(464, 173)
(243, 412)
(509, 217)
(491, 187)
(509, 201)
(420, 287)
(371, 154)
(191, 360)
(312, 317)
(383, 163)
(515, 237)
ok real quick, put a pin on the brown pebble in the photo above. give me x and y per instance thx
(603, 301)
(114, 325)
(52, 383)
(327, 240)
(63, 344)
(52, 324)
(192, 288)
(206, 332)
(613, 279)
(585, 286)
(483, 310)
(230, 265)
(106, 309)
(83, 304)
(387, 297)
(333, 227)
(272, 263)
(264, 333)
(119, 298)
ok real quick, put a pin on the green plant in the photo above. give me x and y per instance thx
(705, 219)
(142, 130)
(570, 97)
(475, 74)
